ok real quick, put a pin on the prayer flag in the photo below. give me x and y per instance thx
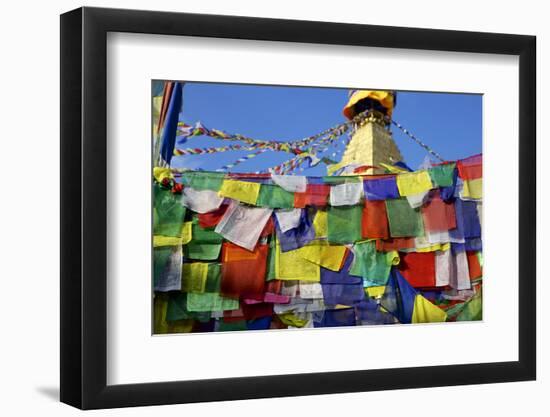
(244, 191)
(437, 215)
(193, 277)
(275, 197)
(243, 225)
(201, 201)
(418, 268)
(399, 297)
(380, 188)
(243, 271)
(168, 213)
(337, 318)
(344, 224)
(292, 183)
(299, 236)
(426, 312)
(347, 194)
(404, 221)
(442, 175)
(413, 183)
(292, 266)
(168, 135)
(372, 265)
(315, 195)
(203, 180)
(374, 222)
(167, 268)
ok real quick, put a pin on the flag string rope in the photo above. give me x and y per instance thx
(293, 146)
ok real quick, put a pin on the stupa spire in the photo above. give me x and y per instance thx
(372, 142)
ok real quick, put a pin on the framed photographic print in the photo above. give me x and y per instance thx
(258, 208)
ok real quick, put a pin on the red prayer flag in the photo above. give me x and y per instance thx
(374, 223)
(438, 215)
(418, 268)
(243, 271)
(256, 311)
(209, 220)
(396, 243)
(470, 168)
(315, 195)
(473, 265)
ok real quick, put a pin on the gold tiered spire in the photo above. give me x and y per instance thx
(372, 143)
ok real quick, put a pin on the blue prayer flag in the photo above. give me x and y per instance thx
(399, 297)
(168, 138)
(381, 188)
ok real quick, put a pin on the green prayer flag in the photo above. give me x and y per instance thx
(232, 326)
(203, 180)
(274, 196)
(202, 251)
(340, 180)
(210, 301)
(271, 261)
(213, 278)
(202, 235)
(160, 260)
(370, 264)
(473, 310)
(344, 224)
(404, 220)
(177, 309)
(168, 213)
(442, 175)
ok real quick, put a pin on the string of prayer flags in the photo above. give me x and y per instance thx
(266, 251)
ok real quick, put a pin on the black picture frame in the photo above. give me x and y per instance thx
(84, 207)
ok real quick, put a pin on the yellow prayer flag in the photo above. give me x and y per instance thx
(413, 183)
(186, 233)
(292, 320)
(159, 240)
(320, 224)
(392, 169)
(434, 247)
(473, 189)
(160, 306)
(247, 192)
(323, 254)
(160, 173)
(292, 266)
(375, 292)
(194, 277)
(392, 257)
(426, 312)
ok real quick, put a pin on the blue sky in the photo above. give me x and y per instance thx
(449, 123)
